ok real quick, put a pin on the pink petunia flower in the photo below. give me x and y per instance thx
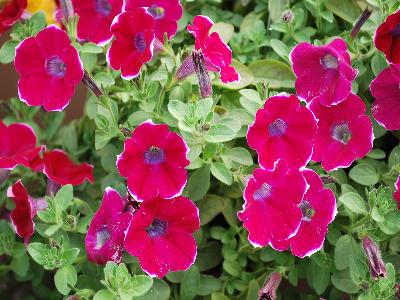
(25, 210)
(17, 145)
(59, 168)
(385, 89)
(344, 133)
(154, 161)
(95, 19)
(166, 14)
(387, 38)
(283, 129)
(133, 44)
(217, 54)
(105, 237)
(271, 211)
(318, 209)
(10, 12)
(161, 235)
(323, 72)
(396, 194)
(49, 68)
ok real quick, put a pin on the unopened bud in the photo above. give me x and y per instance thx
(186, 69)
(91, 84)
(52, 187)
(268, 291)
(67, 8)
(125, 131)
(326, 179)
(202, 74)
(288, 16)
(376, 265)
(360, 22)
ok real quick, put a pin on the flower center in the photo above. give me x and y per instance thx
(157, 228)
(328, 61)
(140, 42)
(157, 12)
(277, 128)
(341, 133)
(55, 67)
(263, 192)
(154, 156)
(102, 237)
(307, 210)
(396, 31)
(102, 7)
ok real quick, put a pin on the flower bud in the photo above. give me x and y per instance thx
(202, 74)
(91, 84)
(288, 16)
(67, 8)
(360, 22)
(376, 265)
(268, 291)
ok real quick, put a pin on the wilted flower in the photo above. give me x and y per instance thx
(376, 265)
(324, 73)
(49, 68)
(105, 237)
(154, 161)
(166, 14)
(25, 210)
(318, 208)
(283, 129)
(10, 12)
(344, 133)
(387, 38)
(386, 91)
(271, 211)
(268, 291)
(160, 235)
(133, 44)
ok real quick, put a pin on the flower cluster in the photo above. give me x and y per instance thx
(332, 129)
(159, 232)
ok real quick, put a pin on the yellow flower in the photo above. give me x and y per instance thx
(47, 6)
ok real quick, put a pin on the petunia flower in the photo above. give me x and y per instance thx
(283, 129)
(396, 194)
(154, 161)
(160, 235)
(344, 133)
(133, 44)
(166, 14)
(217, 54)
(95, 19)
(17, 145)
(386, 91)
(49, 68)
(25, 210)
(105, 237)
(387, 38)
(376, 265)
(10, 12)
(59, 168)
(318, 208)
(323, 72)
(271, 211)
(48, 7)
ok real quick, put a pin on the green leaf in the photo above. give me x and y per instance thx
(103, 79)
(178, 109)
(219, 296)
(254, 287)
(225, 30)
(160, 291)
(219, 133)
(204, 107)
(232, 267)
(64, 197)
(378, 63)
(20, 264)
(199, 183)
(348, 10)
(280, 48)
(69, 255)
(364, 174)
(138, 286)
(376, 154)
(276, 8)
(208, 285)
(7, 237)
(246, 77)
(91, 48)
(342, 281)
(38, 252)
(278, 74)
(210, 207)
(104, 295)
(64, 278)
(221, 172)
(251, 95)
(190, 284)
(354, 202)
(138, 117)
(239, 155)
(7, 52)
(318, 276)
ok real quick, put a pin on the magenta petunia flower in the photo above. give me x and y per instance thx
(283, 129)
(25, 210)
(105, 237)
(49, 68)
(344, 133)
(271, 211)
(10, 12)
(17, 145)
(318, 208)
(95, 19)
(59, 168)
(166, 14)
(387, 38)
(217, 54)
(154, 161)
(396, 194)
(385, 89)
(161, 235)
(323, 72)
(133, 44)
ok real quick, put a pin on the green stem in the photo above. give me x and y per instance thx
(358, 224)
